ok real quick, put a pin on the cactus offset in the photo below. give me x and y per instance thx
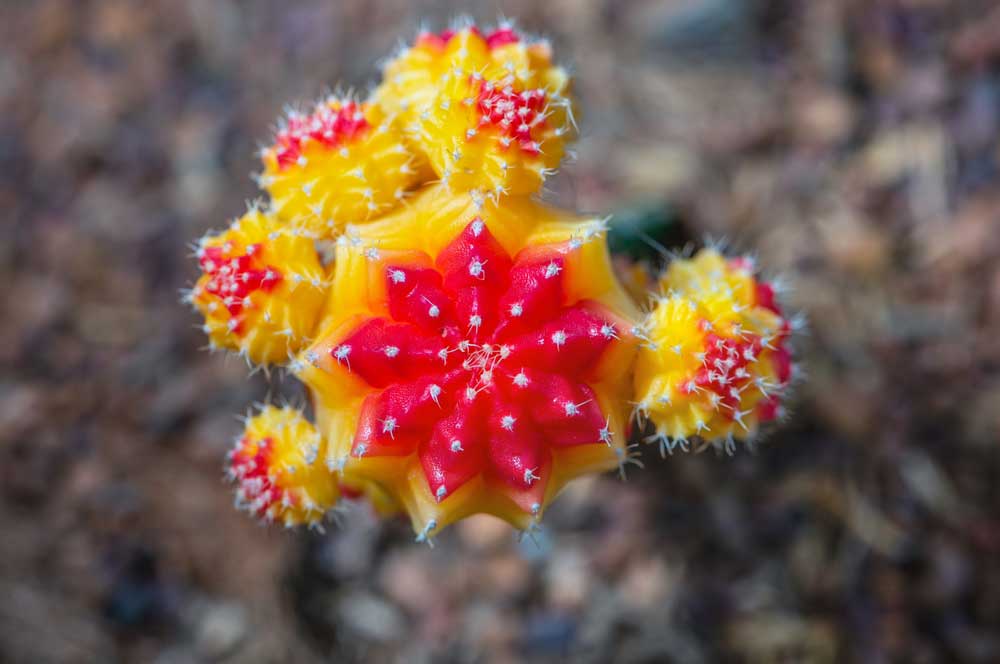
(262, 288)
(343, 162)
(491, 112)
(465, 347)
(277, 466)
(716, 361)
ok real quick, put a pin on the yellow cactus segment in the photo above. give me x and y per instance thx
(262, 288)
(345, 162)
(491, 112)
(714, 363)
(413, 357)
(410, 80)
(277, 464)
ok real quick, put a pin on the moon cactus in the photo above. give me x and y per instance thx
(466, 348)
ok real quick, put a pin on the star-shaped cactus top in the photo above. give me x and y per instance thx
(470, 369)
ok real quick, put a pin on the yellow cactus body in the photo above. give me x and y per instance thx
(369, 355)
(343, 163)
(715, 363)
(262, 288)
(278, 465)
(491, 112)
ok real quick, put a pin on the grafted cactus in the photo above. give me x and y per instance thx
(466, 348)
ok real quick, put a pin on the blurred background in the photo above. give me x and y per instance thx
(853, 145)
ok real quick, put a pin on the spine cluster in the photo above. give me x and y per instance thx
(466, 348)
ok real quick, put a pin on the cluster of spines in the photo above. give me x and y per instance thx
(715, 363)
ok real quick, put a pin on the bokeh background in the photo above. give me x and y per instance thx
(853, 145)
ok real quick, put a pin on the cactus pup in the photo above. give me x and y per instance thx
(716, 362)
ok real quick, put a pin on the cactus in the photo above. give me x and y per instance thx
(466, 348)
(715, 362)
(262, 288)
(477, 359)
(342, 162)
(490, 112)
(276, 465)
